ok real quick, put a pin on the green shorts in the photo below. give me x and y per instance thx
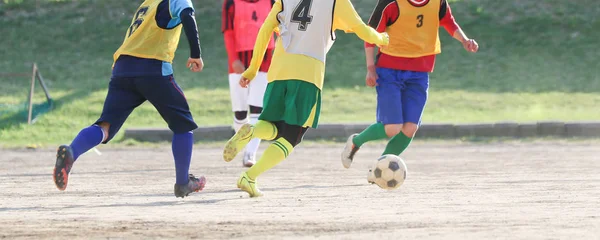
(295, 102)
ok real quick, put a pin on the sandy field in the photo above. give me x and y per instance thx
(511, 190)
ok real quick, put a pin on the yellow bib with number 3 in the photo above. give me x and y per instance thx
(416, 32)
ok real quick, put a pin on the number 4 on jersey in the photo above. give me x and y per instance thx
(254, 16)
(301, 14)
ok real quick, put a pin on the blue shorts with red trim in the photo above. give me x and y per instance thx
(401, 95)
(127, 93)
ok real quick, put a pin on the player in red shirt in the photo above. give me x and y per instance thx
(400, 72)
(242, 20)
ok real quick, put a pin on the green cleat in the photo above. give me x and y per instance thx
(237, 143)
(248, 185)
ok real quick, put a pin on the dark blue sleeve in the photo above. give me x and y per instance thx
(191, 31)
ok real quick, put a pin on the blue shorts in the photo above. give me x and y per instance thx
(127, 93)
(401, 95)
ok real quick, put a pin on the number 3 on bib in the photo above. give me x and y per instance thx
(301, 14)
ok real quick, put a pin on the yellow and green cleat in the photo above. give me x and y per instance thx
(237, 143)
(248, 185)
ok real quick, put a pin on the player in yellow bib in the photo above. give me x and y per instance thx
(292, 100)
(143, 71)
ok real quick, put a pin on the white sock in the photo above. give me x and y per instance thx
(237, 124)
(253, 145)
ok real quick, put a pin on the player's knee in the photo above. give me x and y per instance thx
(105, 126)
(293, 140)
(255, 109)
(240, 115)
(392, 129)
(183, 128)
(410, 129)
(293, 134)
(179, 126)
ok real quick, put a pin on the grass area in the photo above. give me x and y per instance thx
(537, 62)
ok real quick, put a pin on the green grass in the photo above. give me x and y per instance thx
(538, 61)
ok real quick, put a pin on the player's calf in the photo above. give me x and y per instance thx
(400, 141)
(292, 133)
(240, 118)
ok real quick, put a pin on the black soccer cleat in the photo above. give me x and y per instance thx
(64, 162)
(194, 185)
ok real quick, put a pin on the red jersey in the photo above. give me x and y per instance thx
(241, 22)
(387, 13)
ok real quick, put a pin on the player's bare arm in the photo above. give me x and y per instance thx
(378, 20)
(346, 18)
(349, 21)
(194, 63)
(469, 44)
(371, 79)
(448, 22)
(262, 41)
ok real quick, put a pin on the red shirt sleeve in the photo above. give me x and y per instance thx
(385, 14)
(447, 20)
(227, 28)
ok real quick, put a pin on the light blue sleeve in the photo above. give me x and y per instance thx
(175, 8)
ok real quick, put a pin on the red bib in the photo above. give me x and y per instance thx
(249, 17)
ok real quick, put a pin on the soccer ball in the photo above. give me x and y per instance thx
(388, 172)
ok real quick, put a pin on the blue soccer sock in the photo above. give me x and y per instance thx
(86, 139)
(182, 152)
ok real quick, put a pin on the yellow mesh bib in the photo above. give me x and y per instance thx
(416, 32)
(145, 39)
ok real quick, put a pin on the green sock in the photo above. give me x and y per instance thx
(374, 132)
(397, 144)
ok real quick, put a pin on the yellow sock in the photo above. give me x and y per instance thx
(265, 130)
(272, 156)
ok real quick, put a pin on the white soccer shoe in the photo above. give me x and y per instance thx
(349, 151)
(249, 159)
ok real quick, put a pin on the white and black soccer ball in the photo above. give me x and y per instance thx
(389, 172)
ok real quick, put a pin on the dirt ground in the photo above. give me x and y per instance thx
(515, 190)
